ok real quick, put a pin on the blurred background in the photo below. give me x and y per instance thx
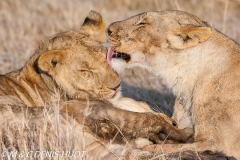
(22, 22)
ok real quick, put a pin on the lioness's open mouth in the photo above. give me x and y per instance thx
(111, 54)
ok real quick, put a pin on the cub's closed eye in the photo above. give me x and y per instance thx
(86, 73)
(86, 70)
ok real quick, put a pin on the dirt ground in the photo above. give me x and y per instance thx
(24, 21)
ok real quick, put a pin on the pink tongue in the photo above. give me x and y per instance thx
(109, 56)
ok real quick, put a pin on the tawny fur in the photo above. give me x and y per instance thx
(199, 64)
(73, 65)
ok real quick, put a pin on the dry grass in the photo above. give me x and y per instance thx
(24, 21)
(20, 139)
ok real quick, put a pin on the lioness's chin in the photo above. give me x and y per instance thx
(118, 64)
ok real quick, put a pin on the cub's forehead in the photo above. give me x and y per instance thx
(66, 40)
(90, 57)
(89, 51)
(74, 40)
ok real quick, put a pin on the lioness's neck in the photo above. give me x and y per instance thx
(183, 69)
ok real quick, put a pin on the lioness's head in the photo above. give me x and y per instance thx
(76, 61)
(136, 40)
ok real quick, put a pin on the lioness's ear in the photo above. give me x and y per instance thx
(186, 37)
(49, 61)
(94, 26)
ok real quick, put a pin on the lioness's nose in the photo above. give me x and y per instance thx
(109, 31)
(110, 28)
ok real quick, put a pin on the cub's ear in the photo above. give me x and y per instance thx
(186, 37)
(94, 26)
(49, 61)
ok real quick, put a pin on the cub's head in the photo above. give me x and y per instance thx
(136, 40)
(76, 61)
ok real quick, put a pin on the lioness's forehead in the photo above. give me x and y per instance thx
(167, 16)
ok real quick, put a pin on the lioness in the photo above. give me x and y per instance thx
(74, 65)
(200, 65)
